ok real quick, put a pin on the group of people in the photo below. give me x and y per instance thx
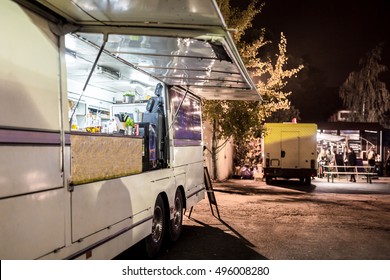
(325, 157)
(328, 158)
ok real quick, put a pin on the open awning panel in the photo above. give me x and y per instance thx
(181, 43)
(131, 12)
(329, 137)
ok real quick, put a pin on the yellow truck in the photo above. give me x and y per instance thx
(289, 151)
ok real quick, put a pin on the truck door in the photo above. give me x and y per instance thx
(289, 151)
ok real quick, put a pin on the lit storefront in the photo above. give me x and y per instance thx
(336, 136)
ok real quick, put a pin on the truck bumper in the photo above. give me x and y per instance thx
(289, 173)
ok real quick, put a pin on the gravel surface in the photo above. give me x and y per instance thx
(286, 221)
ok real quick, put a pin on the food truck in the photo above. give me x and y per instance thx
(100, 121)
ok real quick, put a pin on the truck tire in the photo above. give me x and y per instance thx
(308, 181)
(175, 226)
(154, 241)
(268, 180)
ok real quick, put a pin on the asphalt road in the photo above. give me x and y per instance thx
(286, 221)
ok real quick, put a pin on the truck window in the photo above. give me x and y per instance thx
(108, 111)
(115, 91)
(187, 125)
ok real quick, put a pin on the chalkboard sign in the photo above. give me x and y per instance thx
(210, 192)
(209, 187)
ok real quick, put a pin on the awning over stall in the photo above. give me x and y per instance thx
(179, 42)
(330, 137)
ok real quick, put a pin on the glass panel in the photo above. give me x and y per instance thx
(187, 125)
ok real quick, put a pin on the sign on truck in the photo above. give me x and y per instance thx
(101, 140)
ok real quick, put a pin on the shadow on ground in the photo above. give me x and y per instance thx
(294, 187)
(250, 188)
(201, 242)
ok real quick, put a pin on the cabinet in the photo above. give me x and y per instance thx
(136, 109)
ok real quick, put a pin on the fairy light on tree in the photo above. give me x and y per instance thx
(242, 120)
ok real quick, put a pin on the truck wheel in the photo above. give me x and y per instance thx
(308, 181)
(268, 180)
(154, 241)
(176, 223)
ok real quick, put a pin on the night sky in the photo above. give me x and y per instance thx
(328, 38)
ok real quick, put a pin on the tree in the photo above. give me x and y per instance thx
(244, 119)
(363, 93)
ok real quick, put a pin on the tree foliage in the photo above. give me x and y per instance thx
(244, 119)
(270, 75)
(363, 93)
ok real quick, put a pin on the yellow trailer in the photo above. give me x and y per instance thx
(289, 151)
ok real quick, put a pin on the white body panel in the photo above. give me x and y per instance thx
(188, 170)
(44, 216)
(28, 70)
(32, 196)
(26, 169)
(32, 225)
(101, 204)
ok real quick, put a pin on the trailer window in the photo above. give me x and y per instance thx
(187, 125)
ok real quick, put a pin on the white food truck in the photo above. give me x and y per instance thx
(290, 151)
(100, 121)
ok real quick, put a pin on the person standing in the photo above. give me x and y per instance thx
(330, 157)
(371, 156)
(387, 164)
(351, 162)
(321, 161)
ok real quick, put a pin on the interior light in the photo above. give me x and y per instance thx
(70, 58)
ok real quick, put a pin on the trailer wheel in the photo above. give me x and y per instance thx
(154, 241)
(268, 180)
(308, 181)
(176, 223)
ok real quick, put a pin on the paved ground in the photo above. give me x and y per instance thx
(340, 220)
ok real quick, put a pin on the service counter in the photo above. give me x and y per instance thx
(98, 156)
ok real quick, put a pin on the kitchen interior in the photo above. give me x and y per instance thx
(115, 90)
(107, 98)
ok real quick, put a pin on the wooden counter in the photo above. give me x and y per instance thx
(97, 156)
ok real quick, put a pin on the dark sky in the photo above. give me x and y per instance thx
(330, 37)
